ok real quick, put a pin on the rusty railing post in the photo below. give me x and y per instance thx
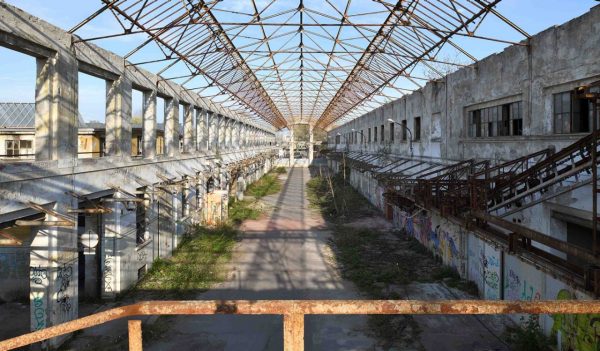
(293, 332)
(135, 335)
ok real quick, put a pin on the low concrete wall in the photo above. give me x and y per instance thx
(499, 275)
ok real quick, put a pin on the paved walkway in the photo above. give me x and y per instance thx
(282, 256)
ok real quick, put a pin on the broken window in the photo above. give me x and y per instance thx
(572, 115)
(392, 132)
(417, 135)
(375, 133)
(404, 128)
(500, 120)
(382, 133)
(369, 135)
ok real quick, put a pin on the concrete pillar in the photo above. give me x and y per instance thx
(188, 129)
(213, 135)
(230, 133)
(118, 117)
(56, 121)
(201, 130)
(310, 145)
(220, 132)
(225, 128)
(53, 274)
(172, 127)
(242, 140)
(292, 146)
(237, 137)
(149, 124)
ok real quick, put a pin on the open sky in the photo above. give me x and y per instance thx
(17, 71)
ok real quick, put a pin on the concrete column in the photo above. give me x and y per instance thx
(220, 132)
(237, 131)
(149, 124)
(188, 129)
(200, 130)
(172, 127)
(244, 129)
(224, 127)
(310, 145)
(213, 133)
(118, 117)
(56, 121)
(292, 147)
(53, 274)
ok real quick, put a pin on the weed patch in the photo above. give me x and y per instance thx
(529, 336)
(336, 199)
(266, 185)
(240, 211)
(197, 264)
(280, 170)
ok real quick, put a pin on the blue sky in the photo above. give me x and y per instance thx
(17, 71)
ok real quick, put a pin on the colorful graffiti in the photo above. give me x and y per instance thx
(577, 332)
(490, 265)
(39, 311)
(443, 243)
(516, 288)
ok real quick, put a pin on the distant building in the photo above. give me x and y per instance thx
(17, 134)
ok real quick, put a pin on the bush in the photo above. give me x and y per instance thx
(280, 170)
(529, 336)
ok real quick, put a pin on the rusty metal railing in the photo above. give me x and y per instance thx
(293, 312)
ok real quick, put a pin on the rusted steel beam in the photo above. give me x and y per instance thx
(303, 307)
(541, 238)
(36, 223)
(293, 332)
(135, 335)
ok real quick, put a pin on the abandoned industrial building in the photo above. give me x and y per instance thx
(320, 175)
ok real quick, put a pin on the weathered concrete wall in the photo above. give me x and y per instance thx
(557, 60)
(498, 274)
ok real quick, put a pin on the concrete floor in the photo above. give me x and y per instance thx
(281, 256)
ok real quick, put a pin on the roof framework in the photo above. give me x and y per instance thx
(321, 62)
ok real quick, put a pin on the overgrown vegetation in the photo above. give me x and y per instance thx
(280, 170)
(240, 211)
(336, 199)
(529, 336)
(380, 263)
(268, 184)
(197, 263)
(250, 208)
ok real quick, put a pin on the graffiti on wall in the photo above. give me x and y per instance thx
(577, 332)
(38, 277)
(490, 264)
(63, 281)
(443, 243)
(517, 288)
(38, 314)
(107, 275)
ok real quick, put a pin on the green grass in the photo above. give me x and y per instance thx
(197, 264)
(345, 202)
(266, 185)
(240, 211)
(280, 170)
